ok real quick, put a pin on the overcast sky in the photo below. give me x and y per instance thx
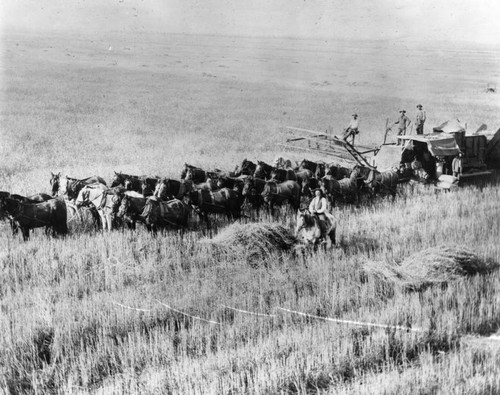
(453, 20)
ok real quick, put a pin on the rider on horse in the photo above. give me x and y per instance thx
(318, 207)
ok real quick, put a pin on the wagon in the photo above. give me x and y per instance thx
(449, 153)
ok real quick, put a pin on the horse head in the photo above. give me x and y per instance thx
(54, 182)
(306, 188)
(309, 165)
(268, 191)
(117, 179)
(212, 184)
(248, 186)
(146, 188)
(247, 167)
(262, 170)
(63, 185)
(124, 206)
(320, 170)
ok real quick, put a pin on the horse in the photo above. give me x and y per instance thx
(337, 172)
(308, 186)
(235, 183)
(308, 165)
(247, 168)
(252, 191)
(141, 184)
(70, 187)
(160, 214)
(168, 189)
(320, 170)
(54, 183)
(283, 175)
(105, 200)
(225, 201)
(347, 189)
(278, 193)
(32, 199)
(50, 214)
(309, 229)
(303, 175)
(383, 182)
(131, 207)
(263, 170)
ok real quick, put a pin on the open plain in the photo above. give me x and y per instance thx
(126, 312)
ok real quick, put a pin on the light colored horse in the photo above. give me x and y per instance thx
(308, 229)
(103, 199)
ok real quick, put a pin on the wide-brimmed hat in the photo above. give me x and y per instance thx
(419, 106)
(354, 115)
(402, 110)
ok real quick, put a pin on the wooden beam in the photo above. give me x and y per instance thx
(306, 130)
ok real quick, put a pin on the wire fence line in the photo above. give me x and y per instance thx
(327, 319)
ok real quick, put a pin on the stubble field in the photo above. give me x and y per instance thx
(145, 104)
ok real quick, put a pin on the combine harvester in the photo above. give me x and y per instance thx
(447, 157)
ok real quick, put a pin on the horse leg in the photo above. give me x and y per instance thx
(103, 219)
(25, 232)
(332, 235)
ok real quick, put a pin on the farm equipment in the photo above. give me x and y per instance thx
(324, 144)
(447, 153)
(447, 156)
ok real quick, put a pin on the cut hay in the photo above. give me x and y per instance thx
(253, 241)
(436, 265)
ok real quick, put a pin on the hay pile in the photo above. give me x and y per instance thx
(436, 265)
(253, 241)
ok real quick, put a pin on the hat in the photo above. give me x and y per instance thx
(419, 106)
(402, 110)
(354, 115)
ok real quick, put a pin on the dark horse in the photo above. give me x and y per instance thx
(142, 184)
(348, 189)
(32, 199)
(252, 191)
(131, 206)
(247, 168)
(279, 193)
(168, 189)
(308, 165)
(160, 214)
(236, 183)
(267, 172)
(198, 175)
(383, 182)
(225, 201)
(28, 216)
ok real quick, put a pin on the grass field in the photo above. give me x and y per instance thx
(105, 313)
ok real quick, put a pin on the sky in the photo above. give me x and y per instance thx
(474, 21)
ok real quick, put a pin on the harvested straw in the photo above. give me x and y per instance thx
(254, 240)
(436, 265)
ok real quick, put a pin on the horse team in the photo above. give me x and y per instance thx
(161, 203)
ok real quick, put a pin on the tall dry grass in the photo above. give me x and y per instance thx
(125, 312)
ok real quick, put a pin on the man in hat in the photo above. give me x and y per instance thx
(403, 122)
(419, 122)
(352, 129)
